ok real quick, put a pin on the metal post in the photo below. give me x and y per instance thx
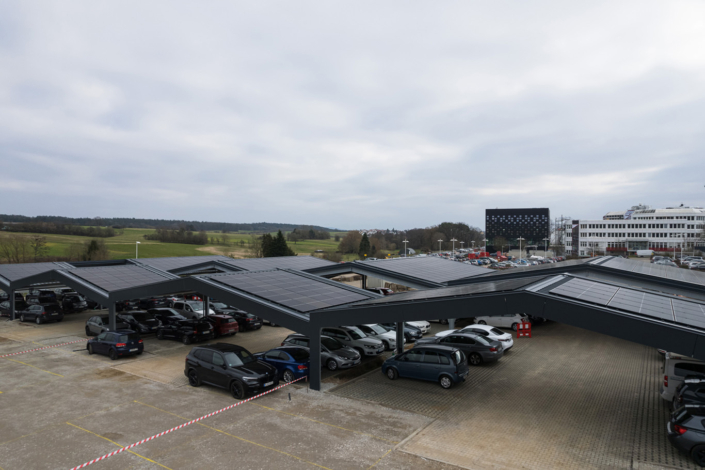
(314, 374)
(400, 337)
(12, 305)
(451, 323)
(111, 315)
(364, 281)
(206, 305)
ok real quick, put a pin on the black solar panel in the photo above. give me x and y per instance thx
(15, 272)
(641, 302)
(538, 268)
(586, 291)
(299, 263)
(170, 264)
(478, 288)
(428, 268)
(657, 270)
(292, 290)
(112, 278)
(689, 313)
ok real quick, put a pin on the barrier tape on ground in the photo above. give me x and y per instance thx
(46, 347)
(183, 425)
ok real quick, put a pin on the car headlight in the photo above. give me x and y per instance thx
(250, 379)
(371, 346)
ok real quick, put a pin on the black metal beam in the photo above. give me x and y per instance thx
(12, 305)
(314, 373)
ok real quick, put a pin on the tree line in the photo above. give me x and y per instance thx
(16, 248)
(181, 235)
(307, 232)
(60, 229)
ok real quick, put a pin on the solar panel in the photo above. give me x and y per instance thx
(689, 313)
(112, 278)
(170, 264)
(641, 302)
(478, 288)
(15, 272)
(538, 268)
(657, 270)
(299, 263)
(292, 290)
(587, 291)
(429, 268)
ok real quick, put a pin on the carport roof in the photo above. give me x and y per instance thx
(657, 270)
(171, 264)
(14, 272)
(114, 278)
(300, 263)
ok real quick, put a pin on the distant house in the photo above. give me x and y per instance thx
(409, 252)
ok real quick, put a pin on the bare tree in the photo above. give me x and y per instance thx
(255, 246)
(39, 247)
(15, 248)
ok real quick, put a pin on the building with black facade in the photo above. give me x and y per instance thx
(531, 224)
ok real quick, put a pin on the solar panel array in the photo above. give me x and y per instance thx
(15, 272)
(540, 267)
(170, 264)
(428, 268)
(291, 290)
(441, 292)
(689, 313)
(112, 278)
(299, 263)
(657, 270)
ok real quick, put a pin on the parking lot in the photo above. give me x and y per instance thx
(566, 398)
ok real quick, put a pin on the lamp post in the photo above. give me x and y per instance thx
(473, 246)
(453, 240)
(461, 245)
(545, 242)
(520, 239)
(484, 248)
(405, 241)
(439, 247)
(137, 244)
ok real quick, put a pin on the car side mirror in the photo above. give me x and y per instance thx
(224, 366)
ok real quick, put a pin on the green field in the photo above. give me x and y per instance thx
(123, 246)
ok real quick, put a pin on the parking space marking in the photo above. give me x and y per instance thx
(30, 365)
(113, 442)
(236, 437)
(326, 424)
(380, 459)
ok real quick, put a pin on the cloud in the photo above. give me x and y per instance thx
(400, 114)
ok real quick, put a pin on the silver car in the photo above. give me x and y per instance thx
(334, 354)
(356, 339)
(191, 309)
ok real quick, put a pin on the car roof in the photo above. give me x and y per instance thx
(435, 347)
(222, 347)
(222, 317)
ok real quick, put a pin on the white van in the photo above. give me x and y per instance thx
(675, 369)
(644, 253)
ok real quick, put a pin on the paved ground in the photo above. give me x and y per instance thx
(563, 399)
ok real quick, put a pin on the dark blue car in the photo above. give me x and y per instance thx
(116, 344)
(291, 362)
(443, 364)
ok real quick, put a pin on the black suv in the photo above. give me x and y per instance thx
(686, 431)
(139, 321)
(73, 303)
(42, 313)
(154, 302)
(175, 326)
(245, 321)
(230, 367)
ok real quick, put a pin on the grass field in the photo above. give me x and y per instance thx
(123, 246)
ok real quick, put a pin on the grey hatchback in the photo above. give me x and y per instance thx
(442, 364)
(478, 348)
(334, 354)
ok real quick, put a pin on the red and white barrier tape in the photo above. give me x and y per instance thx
(183, 425)
(46, 347)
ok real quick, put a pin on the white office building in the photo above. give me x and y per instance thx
(640, 228)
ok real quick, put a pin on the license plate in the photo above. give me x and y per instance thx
(258, 324)
(54, 313)
(268, 384)
(205, 333)
(133, 350)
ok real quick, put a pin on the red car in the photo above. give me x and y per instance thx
(223, 325)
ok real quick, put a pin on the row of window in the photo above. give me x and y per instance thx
(642, 235)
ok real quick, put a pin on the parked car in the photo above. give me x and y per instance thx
(175, 326)
(92, 304)
(442, 364)
(47, 296)
(477, 348)
(389, 338)
(424, 326)
(139, 321)
(101, 323)
(4, 295)
(507, 320)
(230, 367)
(190, 308)
(116, 344)
(686, 432)
(675, 369)
(292, 362)
(223, 325)
(42, 313)
(380, 290)
(63, 291)
(334, 354)
(73, 303)
(411, 333)
(153, 302)
(223, 309)
(127, 305)
(356, 339)
(690, 392)
(487, 331)
(5, 308)
(246, 321)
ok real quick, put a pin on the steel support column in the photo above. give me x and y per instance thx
(400, 337)
(111, 315)
(206, 305)
(364, 281)
(451, 323)
(314, 374)
(12, 305)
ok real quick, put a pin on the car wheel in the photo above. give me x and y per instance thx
(58, 320)
(22, 318)
(332, 364)
(90, 349)
(446, 382)
(514, 326)
(392, 373)
(387, 347)
(288, 376)
(160, 334)
(193, 379)
(88, 332)
(237, 390)
(698, 454)
(444, 322)
(186, 339)
(482, 322)
(475, 359)
(113, 354)
(38, 320)
(360, 351)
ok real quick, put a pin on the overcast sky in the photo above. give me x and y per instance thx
(350, 115)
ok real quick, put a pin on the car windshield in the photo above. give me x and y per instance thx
(496, 332)
(196, 305)
(331, 343)
(355, 333)
(235, 359)
(298, 354)
(218, 305)
(128, 337)
(142, 316)
(377, 329)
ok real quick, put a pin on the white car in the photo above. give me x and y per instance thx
(424, 326)
(489, 332)
(389, 338)
(508, 320)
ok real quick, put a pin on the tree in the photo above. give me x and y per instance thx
(39, 247)
(337, 238)
(350, 243)
(499, 243)
(15, 248)
(275, 246)
(255, 246)
(364, 249)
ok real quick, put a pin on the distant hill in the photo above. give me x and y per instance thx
(154, 223)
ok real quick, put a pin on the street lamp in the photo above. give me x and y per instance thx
(520, 239)
(473, 246)
(405, 241)
(545, 242)
(453, 240)
(439, 247)
(484, 248)
(137, 255)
